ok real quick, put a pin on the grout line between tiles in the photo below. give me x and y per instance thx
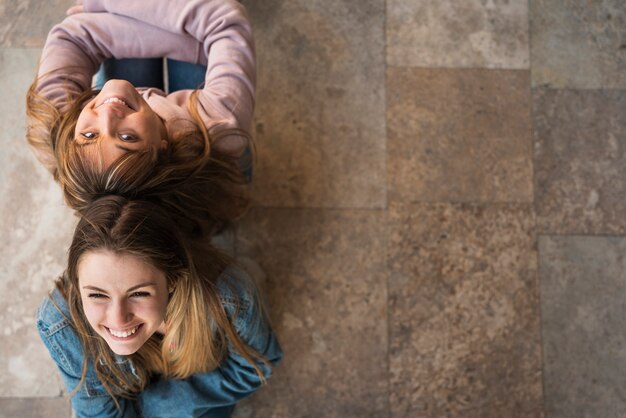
(419, 67)
(531, 103)
(386, 214)
(581, 235)
(346, 209)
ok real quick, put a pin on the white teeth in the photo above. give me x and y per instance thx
(115, 100)
(122, 334)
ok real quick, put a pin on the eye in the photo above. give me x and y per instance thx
(97, 295)
(88, 135)
(128, 138)
(140, 294)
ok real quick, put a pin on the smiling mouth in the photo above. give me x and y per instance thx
(124, 335)
(117, 100)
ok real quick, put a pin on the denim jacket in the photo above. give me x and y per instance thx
(206, 395)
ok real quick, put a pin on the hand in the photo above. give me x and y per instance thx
(77, 8)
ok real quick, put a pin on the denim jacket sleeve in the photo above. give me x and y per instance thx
(59, 337)
(205, 393)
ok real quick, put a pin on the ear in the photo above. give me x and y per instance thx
(163, 145)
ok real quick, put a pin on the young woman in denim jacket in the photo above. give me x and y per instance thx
(146, 324)
(136, 139)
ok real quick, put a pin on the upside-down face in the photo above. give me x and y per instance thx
(116, 121)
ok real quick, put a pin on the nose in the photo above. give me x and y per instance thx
(119, 314)
(109, 116)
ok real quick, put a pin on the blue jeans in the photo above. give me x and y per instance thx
(148, 72)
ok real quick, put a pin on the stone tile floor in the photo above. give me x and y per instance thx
(440, 209)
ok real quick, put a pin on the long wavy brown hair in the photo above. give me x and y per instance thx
(199, 329)
(201, 187)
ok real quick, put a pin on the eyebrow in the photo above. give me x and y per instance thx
(146, 284)
(123, 148)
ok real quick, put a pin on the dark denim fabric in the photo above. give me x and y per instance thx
(148, 72)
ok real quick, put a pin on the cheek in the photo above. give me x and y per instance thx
(153, 311)
(93, 313)
(163, 309)
(155, 130)
(80, 123)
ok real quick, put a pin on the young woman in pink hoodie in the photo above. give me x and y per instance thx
(183, 149)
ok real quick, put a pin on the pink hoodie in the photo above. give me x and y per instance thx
(215, 33)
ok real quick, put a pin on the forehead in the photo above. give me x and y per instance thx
(93, 160)
(100, 158)
(111, 271)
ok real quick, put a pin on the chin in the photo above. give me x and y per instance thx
(123, 351)
(117, 83)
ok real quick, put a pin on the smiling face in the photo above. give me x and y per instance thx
(123, 297)
(116, 121)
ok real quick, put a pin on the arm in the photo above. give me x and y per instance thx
(234, 380)
(223, 30)
(76, 47)
(91, 400)
(72, 53)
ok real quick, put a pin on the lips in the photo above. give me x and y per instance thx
(116, 100)
(125, 334)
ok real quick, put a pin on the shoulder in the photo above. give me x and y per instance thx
(243, 302)
(235, 283)
(53, 313)
(239, 294)
(172, 108)
(58, 335)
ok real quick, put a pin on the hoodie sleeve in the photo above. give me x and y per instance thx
(76, 47)
(74, 50)
(223, 30)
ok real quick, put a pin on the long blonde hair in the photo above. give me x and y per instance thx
(199, 329)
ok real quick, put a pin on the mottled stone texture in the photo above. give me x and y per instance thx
(320, 120)
(583, 283)
(463, 312)
(25, 23)
(35, 408)
(326, 282)
(578, 44)
(451, 33)
(430, 102)
(35, 227)
(580, 150)
(459, 135)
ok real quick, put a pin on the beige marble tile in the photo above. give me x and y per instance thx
(35, 408)
(463, 311)
(458, 34)
(459, 135)
(26, 23)
(326, 282)
(583, 310)
(36, 229)
(578, 44)
(580, 149)
(320, 118)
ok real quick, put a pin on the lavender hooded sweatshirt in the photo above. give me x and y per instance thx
(215, 33)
